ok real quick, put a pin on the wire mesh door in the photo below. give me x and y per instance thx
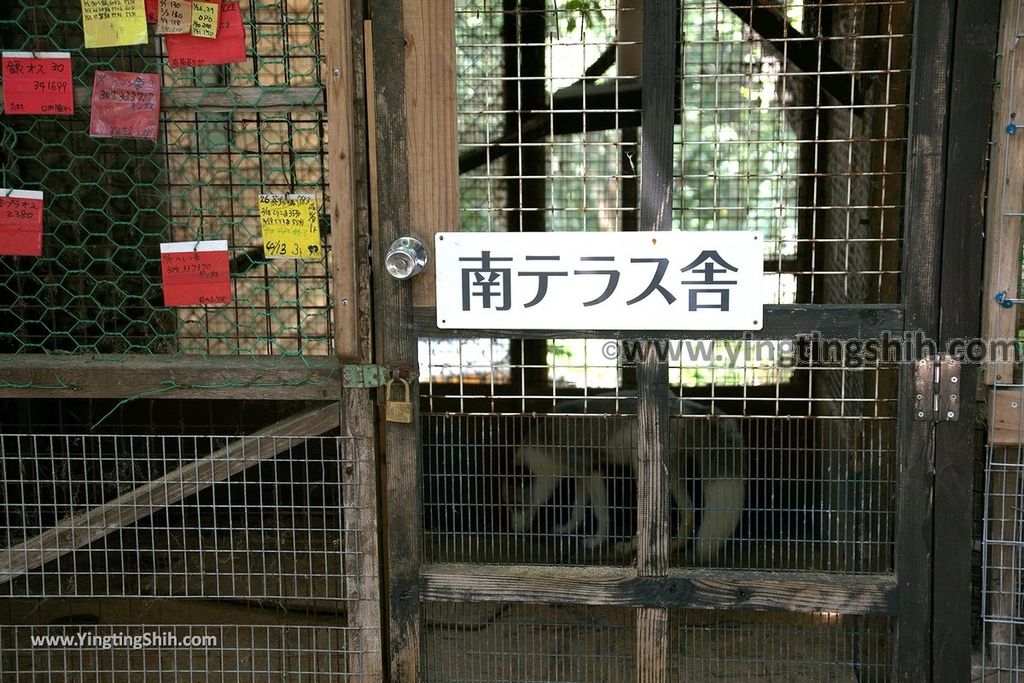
(772, 536)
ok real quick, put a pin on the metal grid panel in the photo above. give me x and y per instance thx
(266, 560)
(227, 134)
(753, 493)
(528, 643)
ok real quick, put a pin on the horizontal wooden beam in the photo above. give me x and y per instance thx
(781, 322)
(142, 376)
(752, 590)
(81, 529)
(227, 99)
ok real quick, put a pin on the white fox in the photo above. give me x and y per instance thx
(710, 450)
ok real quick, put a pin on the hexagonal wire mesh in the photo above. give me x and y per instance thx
(227, 134)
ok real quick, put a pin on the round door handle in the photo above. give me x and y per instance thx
(406, 257)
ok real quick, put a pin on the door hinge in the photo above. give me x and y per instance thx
(364, 376)
(937, 389)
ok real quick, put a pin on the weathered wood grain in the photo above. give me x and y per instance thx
(226, 99)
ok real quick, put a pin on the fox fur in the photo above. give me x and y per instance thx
(710, 450)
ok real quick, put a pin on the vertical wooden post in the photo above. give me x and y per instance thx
(340, 143)
(396, 344)
(660, 52)
(925, 194)
(430, 106)
(962, 255)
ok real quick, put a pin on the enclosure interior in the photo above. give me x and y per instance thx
(790, 120)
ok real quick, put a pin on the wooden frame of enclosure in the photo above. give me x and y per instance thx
(418, 185)
(296, 379)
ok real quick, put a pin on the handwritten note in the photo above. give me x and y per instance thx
(205, 19)
(195, 273)
(227, 48)
(125, 105)
(291, 226)
(109, 23)
(174, 16)
(37, 83)
(21, 222)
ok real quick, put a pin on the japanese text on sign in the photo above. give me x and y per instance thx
(228, 47)
(109, 23)
(600, 281)
(125, 105)
(205, 18)
(291, 226)
(195, 273)
(38, 83)
(21, 222)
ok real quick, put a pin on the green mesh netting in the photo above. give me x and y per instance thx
(228, 133)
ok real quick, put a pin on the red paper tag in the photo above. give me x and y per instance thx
(152, 11)
(38, 83)
(227, 48)
(125, 105)
(195, 273)
(21, 223)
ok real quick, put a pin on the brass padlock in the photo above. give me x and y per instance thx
(397, 411)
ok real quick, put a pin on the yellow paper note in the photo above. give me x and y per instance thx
(291, 226)
(205, 18)
(114, 22)
(174, 16)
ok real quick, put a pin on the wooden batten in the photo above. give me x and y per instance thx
(1005, 209)
(430, 107)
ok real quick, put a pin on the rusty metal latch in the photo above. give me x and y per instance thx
(937, 389)
(365, 376)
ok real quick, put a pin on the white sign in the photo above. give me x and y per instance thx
(600, 280)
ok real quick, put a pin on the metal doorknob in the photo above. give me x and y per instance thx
(406, 258)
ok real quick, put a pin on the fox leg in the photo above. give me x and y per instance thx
(542, 489)
(579, 507)
(599, 502)
(722, 510)
(685, 511)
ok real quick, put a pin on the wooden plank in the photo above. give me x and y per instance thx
(660, 57)
(362, 571)
(226, 99)
(970, 107)
(81, 529)
(744, 590)
(1006, 421)
(925, 192)
(869, 321)
(652, 645)
(651, 471)
(396, 346)
(340, 143)
(123, 376)
(430, 108)
(1005, 196)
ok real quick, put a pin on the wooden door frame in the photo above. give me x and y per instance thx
(931, 276)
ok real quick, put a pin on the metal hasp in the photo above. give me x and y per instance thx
(406, 257)
(364, 376)
(937, 389)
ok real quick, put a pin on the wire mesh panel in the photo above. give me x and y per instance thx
(529, 643)
(133, 546)
(227, 134)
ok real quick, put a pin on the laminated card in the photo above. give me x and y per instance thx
(38, 83)
(195, 273)
(109, 23)
(291, 226)
(125, 105)
(21, 222)
(227, 48)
